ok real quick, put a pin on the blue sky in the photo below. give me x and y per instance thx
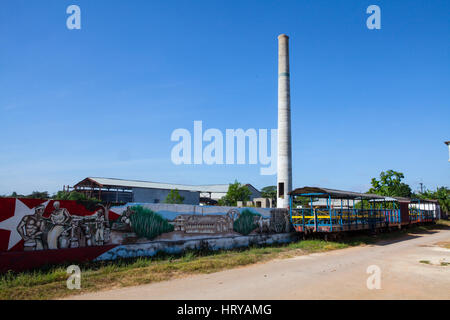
(104, 100)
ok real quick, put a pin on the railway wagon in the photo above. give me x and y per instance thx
(315, 209)
(418, 210)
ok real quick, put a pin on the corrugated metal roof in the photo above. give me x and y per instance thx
(402, 199)
(335, 193)
(415, 200)
(111, 182)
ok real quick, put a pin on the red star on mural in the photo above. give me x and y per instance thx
(21, 210)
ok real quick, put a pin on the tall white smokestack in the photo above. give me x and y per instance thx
(284, 124)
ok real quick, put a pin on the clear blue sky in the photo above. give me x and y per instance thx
(104, 100)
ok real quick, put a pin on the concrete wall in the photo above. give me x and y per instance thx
(170, 211)
(176, 247)
(22, 247)
(159, 196)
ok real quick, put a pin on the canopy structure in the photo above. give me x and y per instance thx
(415, 200)
(387, 199)
(373, 212)
(317, 192)
(424, 201)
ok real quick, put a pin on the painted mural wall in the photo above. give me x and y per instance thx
(47, 231)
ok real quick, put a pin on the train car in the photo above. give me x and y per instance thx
(423, 210)
(414, 211)
(344, 211)
(403, 204)
(315, 209)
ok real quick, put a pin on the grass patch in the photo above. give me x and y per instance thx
(444, 244)
(445, 264)
(425, 261)
(444, 222)
(50, 282)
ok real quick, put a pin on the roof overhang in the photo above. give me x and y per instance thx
(318, 192)
(130, 184)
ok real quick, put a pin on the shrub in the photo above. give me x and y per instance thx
(246, 222)
(148, 224)
(174, 197)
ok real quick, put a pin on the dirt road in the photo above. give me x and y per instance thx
(410, 269)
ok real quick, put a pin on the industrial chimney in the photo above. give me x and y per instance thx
(284, 175)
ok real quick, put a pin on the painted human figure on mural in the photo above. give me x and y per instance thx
(63, 230)
(123, 223)
(263, 224)
(74, 237)
(126, 217)
(60, 216)
(87, 234)
(31, 229)
(64, 239)
(58, 235)
(100, 224)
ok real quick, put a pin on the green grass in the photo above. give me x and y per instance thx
(425, 261)
(50, 282)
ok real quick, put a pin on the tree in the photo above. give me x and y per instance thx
(39, 195)
(34, 195)
(390, 185)
(174, 197)
(270, 192)
(81, 198)
(236, 192)
(73, 195)
(304, 202)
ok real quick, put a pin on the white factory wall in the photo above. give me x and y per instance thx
(159, 196)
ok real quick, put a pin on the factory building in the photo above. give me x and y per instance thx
(118, 190)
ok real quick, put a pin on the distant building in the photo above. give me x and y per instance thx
(118, 190)
(257, 202)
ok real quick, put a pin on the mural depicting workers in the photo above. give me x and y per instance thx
(100, 227)
(263, 224)
(60, 216)
(124, 221)
(31, 228)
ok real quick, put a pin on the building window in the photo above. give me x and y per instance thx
(156, 201)
(281, 190)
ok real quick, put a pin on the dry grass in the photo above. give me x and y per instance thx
(444, 244)
(444, 223)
